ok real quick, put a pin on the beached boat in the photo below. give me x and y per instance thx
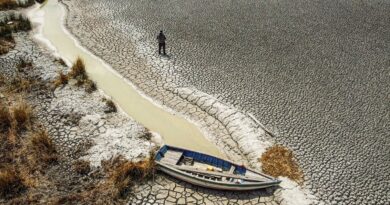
(209, 171)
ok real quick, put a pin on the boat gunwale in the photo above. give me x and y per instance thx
(273, 180)
(239, 185)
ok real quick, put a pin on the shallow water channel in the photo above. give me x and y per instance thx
(175, 130)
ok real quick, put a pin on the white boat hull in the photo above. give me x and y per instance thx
(212, 184)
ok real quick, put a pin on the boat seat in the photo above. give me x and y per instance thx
(232, 168)
(172, 157)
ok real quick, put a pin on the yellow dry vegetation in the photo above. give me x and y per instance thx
(280, 161)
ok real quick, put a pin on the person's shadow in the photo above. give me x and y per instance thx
(165, 56)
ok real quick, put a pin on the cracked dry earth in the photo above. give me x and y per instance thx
(73, 117)
(317, 73)
(79, 126)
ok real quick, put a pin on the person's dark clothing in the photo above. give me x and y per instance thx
(161, 42)
(161, 45)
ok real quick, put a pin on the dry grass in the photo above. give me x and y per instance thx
(23, 64)
(110, 105)
(147, 135)
(11, 183)
(82, 167)
(19, 23)
(8, 4)
(14, 23)
(77, 71)
(22, 153)
(2, 79)
(21, 115)
(123, 174)
(20, 84)
(280, 161)
(60, 61)
(13, 4)
(40, 1)
(6, 44)
(5, 118)
(61, 79)
(90, 86)
(41, 150)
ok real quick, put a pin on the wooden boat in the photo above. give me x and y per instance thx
(210, 172)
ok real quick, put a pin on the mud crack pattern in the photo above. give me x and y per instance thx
(316, 73)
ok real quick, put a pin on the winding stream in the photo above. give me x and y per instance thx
(175, 130)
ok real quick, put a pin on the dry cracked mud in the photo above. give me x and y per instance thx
(79, 126)
(316, 73)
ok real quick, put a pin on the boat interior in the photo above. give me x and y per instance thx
(208, 167)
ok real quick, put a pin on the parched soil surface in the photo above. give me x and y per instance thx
(314, 72)
(85, 131)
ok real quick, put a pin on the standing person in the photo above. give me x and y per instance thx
(161, 42)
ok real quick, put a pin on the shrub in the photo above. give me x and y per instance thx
(279, 161)
(82, 167)
(11, 183)
(21, 115)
